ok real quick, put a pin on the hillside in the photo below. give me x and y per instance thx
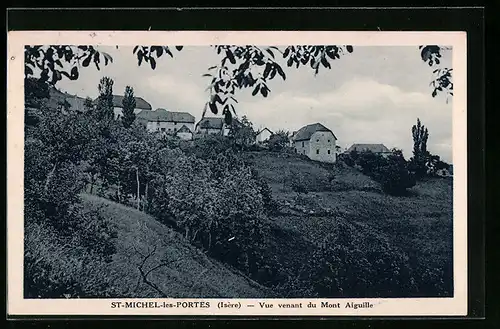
(419, 224)
(189, 272)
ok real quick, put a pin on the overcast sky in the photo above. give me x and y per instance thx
(373, 95)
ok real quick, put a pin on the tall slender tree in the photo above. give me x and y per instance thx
(128, 107)
(420, 154)
(105, 99)
(420, 136)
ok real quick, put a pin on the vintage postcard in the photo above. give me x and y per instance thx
(237, 173)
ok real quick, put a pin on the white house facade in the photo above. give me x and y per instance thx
(263, 135)
(210, 126)
(167, 122)
(184, 133)
(317, 142)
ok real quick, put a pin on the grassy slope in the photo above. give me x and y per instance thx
(190, 275)
(420, 224)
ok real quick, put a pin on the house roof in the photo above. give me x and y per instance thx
(140, 103)
(211, 123)
(262, 130)
(306, 132)
(57, 96)
(375, 148)
(165, 116)
(184, 129)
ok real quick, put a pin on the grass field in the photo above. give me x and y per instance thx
(188, 273)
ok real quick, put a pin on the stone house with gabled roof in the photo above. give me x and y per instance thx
(184, 133)
(379, 149)
(263, 135)
(214, 126)
(317, 142)
(167, 122)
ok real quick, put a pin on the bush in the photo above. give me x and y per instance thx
(218, 204)
(354, 264)
(60, 267)
(394, 176)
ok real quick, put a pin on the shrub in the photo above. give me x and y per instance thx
(218, 205)
(355, 265)
(394, 176)
(57, 267)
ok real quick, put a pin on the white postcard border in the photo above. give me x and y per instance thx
(16, 305)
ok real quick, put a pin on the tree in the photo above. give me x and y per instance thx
(393, 174)
(242, 133)
(279, 140)
(105, 99)
(420, 154)
(240, 67)
(128, 107)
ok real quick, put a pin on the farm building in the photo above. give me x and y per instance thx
(317, 142)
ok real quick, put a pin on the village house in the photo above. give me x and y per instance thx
(167, 122)
(213, 126)
(379, 149)
(263, 135)
(317, 142)
(140, 105)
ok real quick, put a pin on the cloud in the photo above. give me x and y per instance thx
(361, 110)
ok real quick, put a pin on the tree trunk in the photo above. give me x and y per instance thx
(146, 197)
(138, 186)
(119, 192)
(49, 177)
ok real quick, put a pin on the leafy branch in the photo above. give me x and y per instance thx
(443, 77)
(57, 61)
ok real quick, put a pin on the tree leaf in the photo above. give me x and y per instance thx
(86, 61)
(256, 90)
(206, 75)
(135, 49)
(286, 52)
(264, 91)
(159, 51)
(280, 71)
(349, 49)
(270, 52)
(152, 63)
(212, 67)
(267, 70)
(213, 108)
(179, 48)
(74, 73)
(217, 99)
(230, 56)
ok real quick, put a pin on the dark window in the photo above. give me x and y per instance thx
(317, 151)
(328, 141)
(328, 151)
(317, 140)
(302, 144)
(162, 129)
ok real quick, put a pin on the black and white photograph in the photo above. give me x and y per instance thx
(308, 172)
